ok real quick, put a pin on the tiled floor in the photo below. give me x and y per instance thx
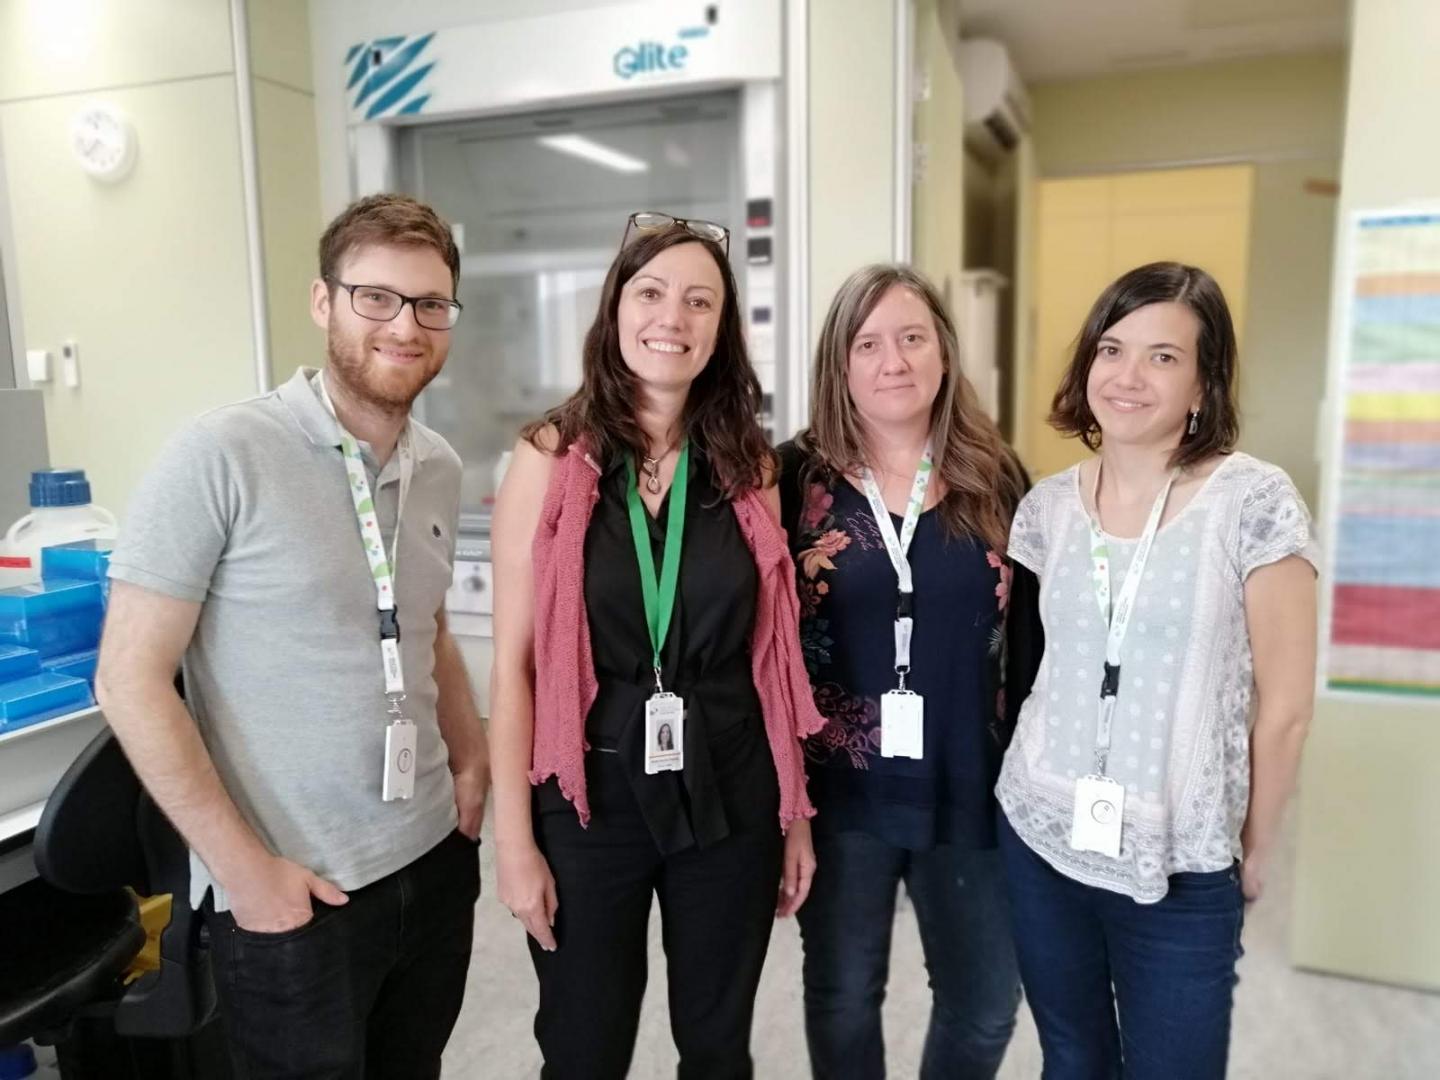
(1289, 1025)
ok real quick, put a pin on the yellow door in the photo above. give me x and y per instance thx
(1089, 231)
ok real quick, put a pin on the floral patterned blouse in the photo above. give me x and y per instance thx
(963, 651)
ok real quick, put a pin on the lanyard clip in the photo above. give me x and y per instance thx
(904, 605)
(389, 624)
(659, 686)
(1110, 684)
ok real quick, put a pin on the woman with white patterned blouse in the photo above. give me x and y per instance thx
(1142, 793)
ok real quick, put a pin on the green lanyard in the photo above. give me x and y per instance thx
(659, 594)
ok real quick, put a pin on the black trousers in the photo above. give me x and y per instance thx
(369, 989)
(717, 907)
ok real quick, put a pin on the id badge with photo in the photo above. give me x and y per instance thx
(664, 733)
(1099, 809)
(902, 724)
(399, 775)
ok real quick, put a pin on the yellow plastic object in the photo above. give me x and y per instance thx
(154, 917)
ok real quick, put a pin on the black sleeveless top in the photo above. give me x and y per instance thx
(729, 778)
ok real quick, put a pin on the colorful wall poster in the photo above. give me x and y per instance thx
(1384, 630)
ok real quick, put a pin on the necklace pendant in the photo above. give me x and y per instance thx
(651, 468)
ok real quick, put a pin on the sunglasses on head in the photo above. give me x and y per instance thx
(649, 221)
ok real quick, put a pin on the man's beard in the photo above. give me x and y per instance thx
(362, 379)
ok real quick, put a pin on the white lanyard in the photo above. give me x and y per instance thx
(898, 548)
(1118, 618)
(382, 568)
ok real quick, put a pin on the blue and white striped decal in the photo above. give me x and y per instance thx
(393, 86)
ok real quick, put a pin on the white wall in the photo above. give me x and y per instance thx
(148, 276)
(1023, 296)
(852, 139)
(1367, 889)
(12, 338)
(287, 160)
(151, 275)
(939, 225)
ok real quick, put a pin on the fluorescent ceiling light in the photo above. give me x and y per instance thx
(592, 151)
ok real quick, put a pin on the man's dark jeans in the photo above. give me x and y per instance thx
(370, 988)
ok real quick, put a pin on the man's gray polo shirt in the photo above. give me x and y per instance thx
(248, 512)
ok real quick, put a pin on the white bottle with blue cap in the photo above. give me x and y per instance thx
(60, 512)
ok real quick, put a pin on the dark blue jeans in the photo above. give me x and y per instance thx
(959, 898)
(1118, 988)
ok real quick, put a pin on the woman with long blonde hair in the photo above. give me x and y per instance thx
(898, 500)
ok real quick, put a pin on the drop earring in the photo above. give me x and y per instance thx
(1194, 421)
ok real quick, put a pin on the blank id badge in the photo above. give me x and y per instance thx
(399, 776)
(902, 724)
(1099, 810)
(664, 733)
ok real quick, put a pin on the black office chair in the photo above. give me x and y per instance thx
(100, 832)
(59, 953)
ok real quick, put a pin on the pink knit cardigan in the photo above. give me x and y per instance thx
(565, 684)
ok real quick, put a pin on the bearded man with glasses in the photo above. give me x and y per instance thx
(328, 768)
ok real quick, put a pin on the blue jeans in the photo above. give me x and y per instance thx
(1117, 988)
(959, 898)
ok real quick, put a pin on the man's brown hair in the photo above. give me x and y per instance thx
(387, 219)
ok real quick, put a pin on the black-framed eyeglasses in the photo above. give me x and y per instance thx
(381, 305)
(648, 221)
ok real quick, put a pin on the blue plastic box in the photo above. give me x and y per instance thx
(17, 1062)
(39, 697)
(78, 665)
(53, 617)
(16, 662)
(80, 560)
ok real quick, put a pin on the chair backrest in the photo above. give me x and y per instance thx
(87, 841)
(101, 831)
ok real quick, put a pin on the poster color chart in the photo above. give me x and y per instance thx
(1385, 607)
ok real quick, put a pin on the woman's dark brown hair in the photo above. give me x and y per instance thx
(982, 477)
(724, 400)
(1218, 425)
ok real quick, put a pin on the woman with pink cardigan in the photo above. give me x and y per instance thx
(644, 589)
